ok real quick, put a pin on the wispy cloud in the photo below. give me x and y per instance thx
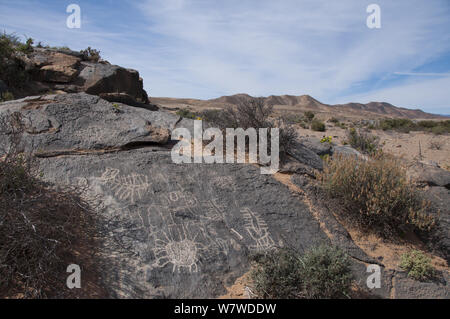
(421, 74)
(203, 48)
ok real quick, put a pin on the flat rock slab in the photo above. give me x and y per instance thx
(62, 124)
(183, 231)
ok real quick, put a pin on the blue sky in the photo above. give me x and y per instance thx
(206, 48)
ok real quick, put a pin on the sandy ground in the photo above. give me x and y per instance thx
(406, 145)
(410, 146)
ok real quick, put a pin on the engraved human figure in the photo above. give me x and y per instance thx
(258, 230)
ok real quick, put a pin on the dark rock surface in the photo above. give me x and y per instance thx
(175, 230)
(314, 144)
(82, 123)
(439, 239)
(346, 150)
(306, 156)
(172, 230)
(429, 175)
(183, 231)
(407, 288)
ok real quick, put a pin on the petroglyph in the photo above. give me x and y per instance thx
(125, 187)
(177, 246)
(258, 231)
(224, 183)
(177, 230)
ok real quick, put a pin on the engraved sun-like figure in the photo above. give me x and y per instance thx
(125, 187)
(178, 246)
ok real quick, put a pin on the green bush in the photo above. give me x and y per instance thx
(322, 272)
(278, 274)
(6, 96)
(12, 70)
(406, 125)
(308, 115)
(363, 141)
(26, 47)
(439, 130)
(396, 124)
(376, 194)
(326, 273)
(187, 114)
(318, 126)
(91, 54)
(417, 264)
(333, 120)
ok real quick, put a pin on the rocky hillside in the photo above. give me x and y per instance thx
(309, 103)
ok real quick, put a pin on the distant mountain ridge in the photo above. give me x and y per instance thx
(308, 102)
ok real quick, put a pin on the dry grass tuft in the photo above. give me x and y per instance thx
(376, 194)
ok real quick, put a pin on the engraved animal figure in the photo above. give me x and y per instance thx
(258, 231)
(125, 187)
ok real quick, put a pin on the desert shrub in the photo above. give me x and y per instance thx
(326, 139)
(403, 125)
(291, 118)
(288, 136)
(187, 114)
(427, 124)
(42, 230)
(436, 144)
(406, 125)
(333, 120)
(308, 116)
(318, 126)
(12, 70)
(326, 272)
(253, 113)
(376, 194)
(26, 47)
(6, 96)
(417, 264)
(90, 54)
(363, 141)
(439, 130)
(211, 116)
(322, 272)
(278, 274)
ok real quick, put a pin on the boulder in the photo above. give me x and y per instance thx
(85, 123)
(430, 175)
(103, 78)
(314, 144)
(346, 150)
(57, 73)
(306, 156)
(69, 71)
(174, 230)
(126, 99)
(168, 230)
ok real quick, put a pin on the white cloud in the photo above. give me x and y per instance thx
(432, 95)
(203, 48)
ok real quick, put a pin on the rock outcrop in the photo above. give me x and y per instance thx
(72, 72)
(175, 230)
